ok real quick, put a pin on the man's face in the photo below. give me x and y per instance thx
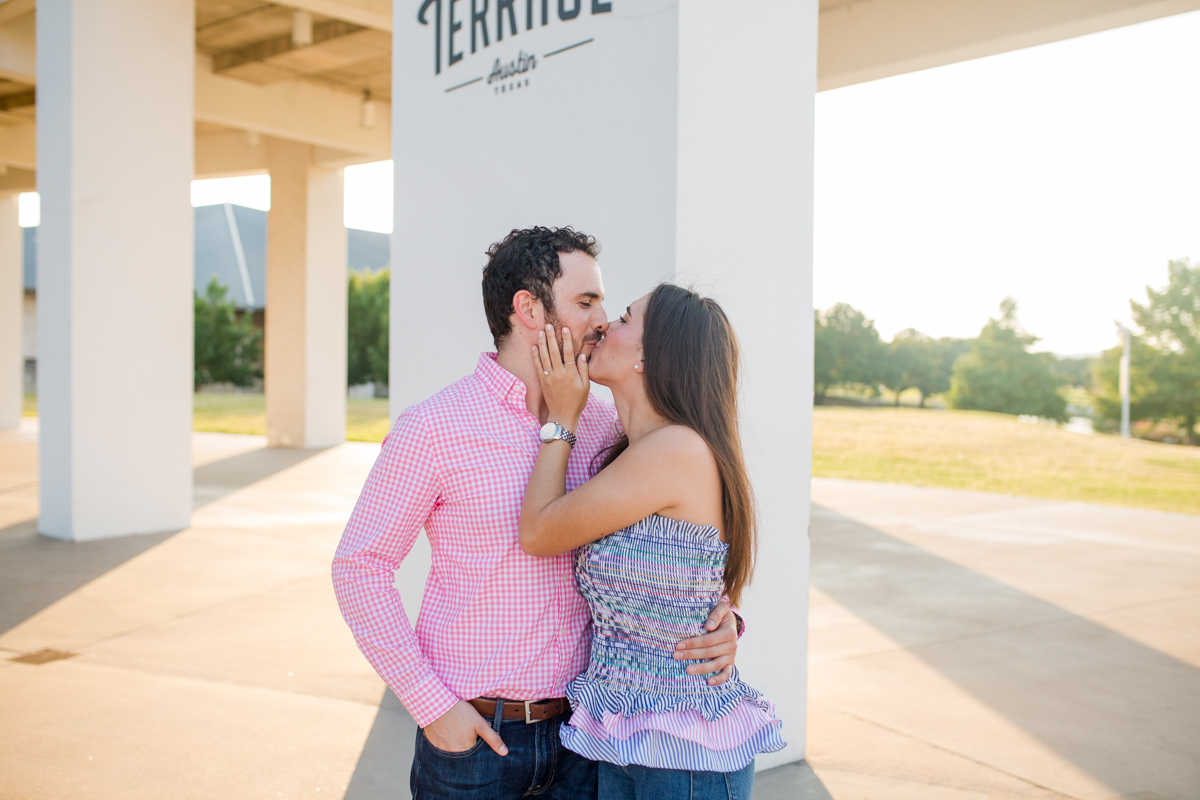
(579, 301)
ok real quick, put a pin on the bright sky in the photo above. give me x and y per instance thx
(1064, 175)
(368, 196)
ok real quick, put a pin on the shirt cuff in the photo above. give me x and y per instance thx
(739, 622)
(428, 701)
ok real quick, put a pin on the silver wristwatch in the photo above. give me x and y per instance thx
(552, 430)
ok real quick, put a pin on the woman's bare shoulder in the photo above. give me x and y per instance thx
(677, 444)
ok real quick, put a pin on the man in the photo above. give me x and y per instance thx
(500, 633)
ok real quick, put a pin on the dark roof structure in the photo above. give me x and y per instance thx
(231, 245)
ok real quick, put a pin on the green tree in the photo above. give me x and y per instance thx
(848, 350)
(228, 349)
(1144, 370)
(1075, 371)
(367, 340)
(999, 373)
(949, 350)
(1171, 320)
(921, 362)
(1165, 362)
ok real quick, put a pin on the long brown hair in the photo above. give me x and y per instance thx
(691, 373)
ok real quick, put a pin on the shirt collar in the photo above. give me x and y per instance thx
(507, 388)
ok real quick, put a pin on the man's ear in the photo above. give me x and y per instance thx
(528, 311)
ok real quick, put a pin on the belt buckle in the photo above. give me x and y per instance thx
(528, 719)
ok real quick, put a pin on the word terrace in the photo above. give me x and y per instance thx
(506, 10)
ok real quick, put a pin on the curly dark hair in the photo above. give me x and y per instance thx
(527, 259)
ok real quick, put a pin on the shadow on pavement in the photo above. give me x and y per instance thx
(790, 782)
(1122, 712)
(37, 571)
(219, 479)
(383, 766)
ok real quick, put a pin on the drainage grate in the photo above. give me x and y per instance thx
(43, 656)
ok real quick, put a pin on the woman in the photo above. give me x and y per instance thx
(674, 489)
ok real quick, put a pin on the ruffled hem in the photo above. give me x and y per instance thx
(661, 750)
(712, 703)
(731, 731)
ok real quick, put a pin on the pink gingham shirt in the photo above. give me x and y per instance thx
(494, 622)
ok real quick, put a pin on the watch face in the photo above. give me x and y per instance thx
(548, 431)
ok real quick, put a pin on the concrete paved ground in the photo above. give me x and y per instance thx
(963, 646)
(967, 645)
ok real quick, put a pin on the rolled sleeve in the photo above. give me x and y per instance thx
(401, 492)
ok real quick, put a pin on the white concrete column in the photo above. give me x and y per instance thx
(744, 229)
(12, 362)
(115, 151)
(691, 157)
(305, 353)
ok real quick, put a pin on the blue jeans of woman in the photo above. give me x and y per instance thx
(646, 783)
(537, 765)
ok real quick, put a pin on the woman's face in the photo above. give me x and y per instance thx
(613, 359)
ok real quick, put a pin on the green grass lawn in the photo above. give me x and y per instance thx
(955, 449)
(996, 453)
(366, 420)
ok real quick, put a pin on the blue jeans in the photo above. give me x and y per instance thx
(537, 765)
(645, 783)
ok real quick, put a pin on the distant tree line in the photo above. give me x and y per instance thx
(993, 372)
(228, 345)
(1164, 374)
(367, 339)
(996, 371)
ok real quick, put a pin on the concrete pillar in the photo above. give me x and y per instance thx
(305, 348)
(744, 228)
(115, 151)
(12, 362)
(692, 158)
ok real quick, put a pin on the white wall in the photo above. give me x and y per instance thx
(682, 138)
(747, 85)
(589, 143)
(115, 127)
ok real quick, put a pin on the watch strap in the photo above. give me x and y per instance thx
(561, 433)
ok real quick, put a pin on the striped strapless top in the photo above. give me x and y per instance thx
(649, 586)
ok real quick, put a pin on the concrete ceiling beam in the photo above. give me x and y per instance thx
(18, 146)
(865, 40)
(18, 47)
(18, 180)
(297, 110)
(18, 100)
(375, 14)
(11, 9)
(267, 49)
(230, 154)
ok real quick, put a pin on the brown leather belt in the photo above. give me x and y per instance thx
(529, 710)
